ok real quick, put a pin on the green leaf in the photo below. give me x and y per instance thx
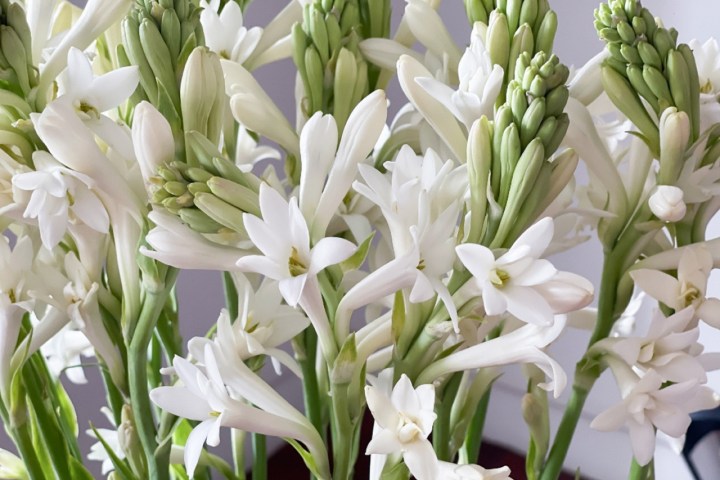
(358, 258)
(306, 456)
(78, 470)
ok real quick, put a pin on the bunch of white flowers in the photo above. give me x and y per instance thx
(393, 267)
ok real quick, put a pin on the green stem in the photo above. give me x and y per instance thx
(639, 472)
(564, 435)
(470, 451)
(311, 390)
(23, 440)
(238, 448)
(259, 471)
(343, 433)
(441, 429)
(138, 376)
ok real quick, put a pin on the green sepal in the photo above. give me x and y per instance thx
(356, 260)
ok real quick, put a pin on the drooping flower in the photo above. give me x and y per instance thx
(203, 396)
(405, 419)
(521, 283)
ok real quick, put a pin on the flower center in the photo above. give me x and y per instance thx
(215, 414)
(295, 264)
(11, 295)
(499, 277)
(707, 88)
(408, 431)
(421, 265)
(89, 110)
(689, 295)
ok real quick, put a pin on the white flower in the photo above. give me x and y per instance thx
(112, 438)
(204, 397)
(225, 33)
(171, 240)
(63, 352)
(58, 196)
(667, 203)
(452, 471)
(91, 95)
(248, 152)
(648, 405)
(262, 325)
(688, 289)
(524, 345)
(480, 83)
(405, 420)
(670, 348)
(16, 268)
(96, 17)
(520, 283)
(428, 27)
(283, 238)
(435, 112)
(319, 158)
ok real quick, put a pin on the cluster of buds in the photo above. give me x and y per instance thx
(645, 61)
(514, 27)
(326, 52)
(514, 150)
(209, 196)
(158, 37)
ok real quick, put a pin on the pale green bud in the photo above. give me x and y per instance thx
(675, 132)
(234, 194)
(546, 33)
(221, 211)
(202, 94)
(479, 161)
(498, 39)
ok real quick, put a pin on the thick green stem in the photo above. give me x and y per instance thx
(441, 429)
(564, 435)
(470, 450)
(259, 471)
(138, 377)
(23, 440)
(343, 434)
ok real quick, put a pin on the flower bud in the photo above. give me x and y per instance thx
(202, 94)
(667, 203)
(153, 140)
(674, 137)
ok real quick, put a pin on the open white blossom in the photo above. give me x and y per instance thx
(263, 324)
(480, 83)
(282, 236)
(405, 418)
(91, 95)
(225, 33)
(688, 289)
(648, 405)
(60, 195)
(521, 283)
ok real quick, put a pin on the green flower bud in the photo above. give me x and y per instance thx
(479, 164)
(498, 39)
(199, 221)
(202, 94)
(235, 194)
(657, 83)
(220, 211)
(531, 121)
(546, 33)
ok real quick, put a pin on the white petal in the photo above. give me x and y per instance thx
(477, 259)
(384, 442)
(180, 401)
(658, 285)
(642, 437)
(263, 265)
(527, 305)
(116, 86)
(292, 288)
(421, 460)
(382, 409)
(195, 444)
(330, 251)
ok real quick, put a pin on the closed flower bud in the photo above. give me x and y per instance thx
(667, 203)
(674, 137)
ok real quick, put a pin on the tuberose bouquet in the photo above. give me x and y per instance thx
(402, 259)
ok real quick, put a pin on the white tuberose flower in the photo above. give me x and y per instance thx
(647, 405)
(225, 33)
(480, 83)
(405, 419)
(282, 236)
(60, 195)
(667, 203)
(520, 283)
(92, 95)
(452, 471)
